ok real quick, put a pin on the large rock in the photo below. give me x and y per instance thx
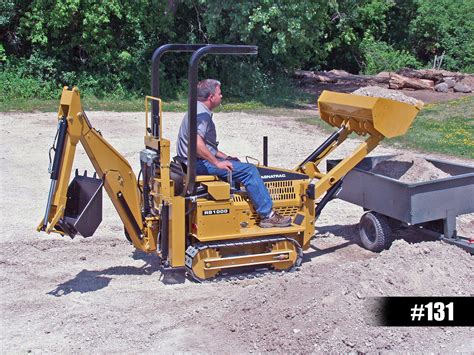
(467, 80)
(383, 74)
(450, 82)
(442, 87)
(462, 88)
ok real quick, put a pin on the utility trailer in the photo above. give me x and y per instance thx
(389, 204)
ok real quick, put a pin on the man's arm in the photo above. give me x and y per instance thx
(205, 154)
(221, 155)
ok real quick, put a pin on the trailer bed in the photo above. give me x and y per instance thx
(433, 201)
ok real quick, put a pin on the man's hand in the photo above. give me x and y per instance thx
(232, 158)
(224, 164)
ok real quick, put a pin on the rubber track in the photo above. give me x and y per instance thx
(194, 249)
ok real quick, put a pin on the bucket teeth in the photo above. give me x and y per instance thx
(85, 174)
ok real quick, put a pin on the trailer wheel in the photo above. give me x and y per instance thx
(375, 232)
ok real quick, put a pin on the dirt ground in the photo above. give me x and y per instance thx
(100, 295)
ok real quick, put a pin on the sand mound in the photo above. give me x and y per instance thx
(409, 168)
(376, 91)
(332, 313)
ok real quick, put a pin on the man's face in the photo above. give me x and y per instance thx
(216, 98)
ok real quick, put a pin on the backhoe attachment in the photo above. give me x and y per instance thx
(77, 209)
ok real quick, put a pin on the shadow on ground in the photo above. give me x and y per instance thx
(93, 280)
(351, 235)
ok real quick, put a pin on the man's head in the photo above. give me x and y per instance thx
(209, 93)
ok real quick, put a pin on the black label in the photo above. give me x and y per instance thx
(423, 311)
(277, 175)
(214, 212)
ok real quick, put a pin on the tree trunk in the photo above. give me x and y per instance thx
(402, 82)
(334, 76)
(429, 74)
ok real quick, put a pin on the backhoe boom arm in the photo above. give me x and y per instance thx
(116, 173)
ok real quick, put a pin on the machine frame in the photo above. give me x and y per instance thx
(200, 223)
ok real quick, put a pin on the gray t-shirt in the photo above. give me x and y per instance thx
(205, 128)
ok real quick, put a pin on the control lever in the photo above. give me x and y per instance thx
(229, 178)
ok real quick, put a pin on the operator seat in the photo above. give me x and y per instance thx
(178, 171)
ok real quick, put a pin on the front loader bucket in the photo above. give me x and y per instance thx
(83, 212)
(367, 115)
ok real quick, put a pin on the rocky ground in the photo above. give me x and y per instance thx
(100, 295)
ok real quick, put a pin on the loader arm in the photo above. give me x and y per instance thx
(375, 117)
(116, 173)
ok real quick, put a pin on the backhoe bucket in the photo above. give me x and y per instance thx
(367, 115)
(83, 212)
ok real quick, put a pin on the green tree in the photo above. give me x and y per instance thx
(350, 21)
(289, 35)
(444, 26)
(104, 46)
(379, 56)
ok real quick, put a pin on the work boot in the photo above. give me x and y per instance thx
(276, 220)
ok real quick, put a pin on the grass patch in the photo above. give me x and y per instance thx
(29, 105)
(288, 96)
(135, 105)
(444, 127)
(138, 105)
(89, 103)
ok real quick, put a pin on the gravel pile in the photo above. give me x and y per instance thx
(409, 168)
(376, 91)
(334, 312)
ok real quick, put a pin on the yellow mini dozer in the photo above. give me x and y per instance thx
(201, 224)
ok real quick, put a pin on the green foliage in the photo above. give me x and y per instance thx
(350, 20)
(444, 26)
(288, 34)
(379, 56)
(7, 12)
(106, 47)
(3, 56)
(15, 84)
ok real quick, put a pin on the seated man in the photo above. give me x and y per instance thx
(211, 161)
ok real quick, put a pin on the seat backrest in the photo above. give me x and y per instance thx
(177, 175)
(178, 166)
(182, 162)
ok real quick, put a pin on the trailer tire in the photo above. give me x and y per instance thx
(375, 232)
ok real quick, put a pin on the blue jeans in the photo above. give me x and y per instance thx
(246, 174)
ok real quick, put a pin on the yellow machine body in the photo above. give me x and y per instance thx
(217, 228)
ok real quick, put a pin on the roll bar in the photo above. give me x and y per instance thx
(192, 100)
(199, 50)
(155, 77)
